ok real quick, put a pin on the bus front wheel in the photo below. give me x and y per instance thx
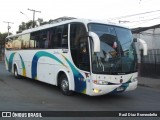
(64, 85)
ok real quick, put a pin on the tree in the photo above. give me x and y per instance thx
(2, 38)
(27, 25)
(40, 21)
(22, 26)
(2, 43)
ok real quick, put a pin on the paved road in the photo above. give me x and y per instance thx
(30, 95)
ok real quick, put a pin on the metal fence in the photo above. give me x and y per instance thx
(150, 64)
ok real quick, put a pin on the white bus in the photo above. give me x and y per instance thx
(85, 56)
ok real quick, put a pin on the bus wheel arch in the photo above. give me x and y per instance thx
(63, 83)
(15, 71)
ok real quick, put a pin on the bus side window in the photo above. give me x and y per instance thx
(41, 41)
(64, 42)
(51, 41)
(58, 37)
(8, 44)
(34, 40)
(25, 41)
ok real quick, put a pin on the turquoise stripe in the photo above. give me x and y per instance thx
(11, 61)
(80, 83)
(35, 59)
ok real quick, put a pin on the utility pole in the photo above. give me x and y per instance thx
(9, 27)
(33, 25)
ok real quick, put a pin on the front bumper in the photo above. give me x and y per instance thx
(107, 89)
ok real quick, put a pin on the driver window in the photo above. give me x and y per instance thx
(79, 46)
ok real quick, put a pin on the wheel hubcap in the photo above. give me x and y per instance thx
(64, 85)
(15, 72)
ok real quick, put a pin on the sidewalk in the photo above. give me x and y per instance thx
(149, 82)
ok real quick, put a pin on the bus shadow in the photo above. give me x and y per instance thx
(118, 96)
(56, 90)
(38, 83)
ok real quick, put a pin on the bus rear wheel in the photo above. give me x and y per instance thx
(16, 75)
(64, 86)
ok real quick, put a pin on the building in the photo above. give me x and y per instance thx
(150, 64)
(150, 34)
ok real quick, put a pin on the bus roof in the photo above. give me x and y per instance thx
(85, 21)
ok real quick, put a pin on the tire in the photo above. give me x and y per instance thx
(64, 86)
(16, 75)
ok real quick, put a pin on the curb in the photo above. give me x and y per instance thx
(144, 85)
(149, 86)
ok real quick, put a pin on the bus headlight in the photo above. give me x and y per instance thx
(100, 82)
(96, 90)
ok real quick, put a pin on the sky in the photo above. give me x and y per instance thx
(89, 9)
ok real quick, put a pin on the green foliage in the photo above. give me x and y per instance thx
(40, 21)
(29, 25)
(2, 42)
(3, 36)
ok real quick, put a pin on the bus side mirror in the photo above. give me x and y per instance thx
(96, 41)
(144, 45)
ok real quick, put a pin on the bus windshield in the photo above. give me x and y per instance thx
(118, 54)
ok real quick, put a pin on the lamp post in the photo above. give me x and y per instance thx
(24, 14)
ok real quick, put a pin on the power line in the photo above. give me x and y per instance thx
(150, 34)
(147, 21)
(133, 15)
